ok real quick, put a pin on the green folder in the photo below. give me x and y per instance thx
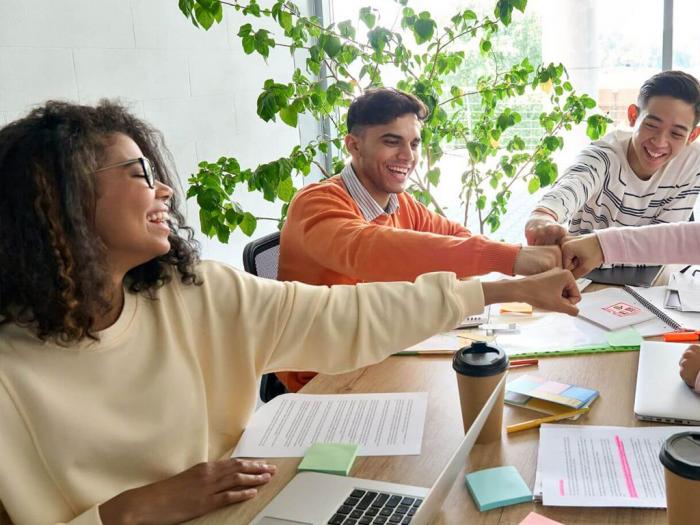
(331, 458)
(497, 487)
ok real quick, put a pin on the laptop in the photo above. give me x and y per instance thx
(316, 498)
(661, 394)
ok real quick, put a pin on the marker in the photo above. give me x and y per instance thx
(680, 337)
(517, 363)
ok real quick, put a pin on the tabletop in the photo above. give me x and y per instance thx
(612, 374)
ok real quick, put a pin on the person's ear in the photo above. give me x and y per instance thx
(632, 114)
(693, 134)
(352, 143)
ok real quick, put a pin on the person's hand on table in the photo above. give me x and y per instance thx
(192, 493)
(581, 254)
(542, 229)
(537, 259)
(553, 290)
(690, 365)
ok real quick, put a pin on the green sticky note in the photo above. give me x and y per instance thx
(497, 487)
(624, 337)
(331, 458)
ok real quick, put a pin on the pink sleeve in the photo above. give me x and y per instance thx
(676, 243)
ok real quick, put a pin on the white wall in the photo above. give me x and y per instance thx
(196, 86)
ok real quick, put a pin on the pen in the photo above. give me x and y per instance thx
(679, 337)
(516, 363)
(534, 423)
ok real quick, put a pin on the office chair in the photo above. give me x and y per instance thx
(260, 257)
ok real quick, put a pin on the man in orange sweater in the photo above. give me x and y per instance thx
(360, 226)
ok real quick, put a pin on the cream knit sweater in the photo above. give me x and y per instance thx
(173, 381)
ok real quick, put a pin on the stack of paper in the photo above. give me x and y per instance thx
(555, 333)
(597, 466)
(381, 424)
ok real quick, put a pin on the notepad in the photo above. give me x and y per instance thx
(613, 308)
(492, 488)
(572, 396)
(331, 458)
(517, 308)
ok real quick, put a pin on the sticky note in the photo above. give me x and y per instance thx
(331, 458)
(516, 308)
(537, 519)
(497, 487)
(625, 337)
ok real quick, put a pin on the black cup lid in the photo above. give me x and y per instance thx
(680, 454)
(480, 360)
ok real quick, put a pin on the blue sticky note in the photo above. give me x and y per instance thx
(582, 394)
(492, 488)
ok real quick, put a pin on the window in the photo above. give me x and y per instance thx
(609, 49)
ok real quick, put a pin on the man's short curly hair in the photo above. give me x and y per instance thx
(383, 105)
(52, 264)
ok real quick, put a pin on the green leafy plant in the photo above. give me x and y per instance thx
(481, 121)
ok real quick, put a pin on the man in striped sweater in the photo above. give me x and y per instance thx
(648, 176)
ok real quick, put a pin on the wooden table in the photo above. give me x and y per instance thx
(613, 374)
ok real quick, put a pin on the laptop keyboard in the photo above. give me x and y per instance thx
(365, 507)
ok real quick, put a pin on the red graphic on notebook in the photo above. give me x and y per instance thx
(622, 309)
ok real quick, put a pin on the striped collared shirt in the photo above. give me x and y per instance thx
(368, 206)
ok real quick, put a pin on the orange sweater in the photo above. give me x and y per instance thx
(326, 240)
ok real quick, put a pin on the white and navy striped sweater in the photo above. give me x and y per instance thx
(600, 189)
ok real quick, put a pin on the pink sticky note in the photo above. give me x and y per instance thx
(537, 519)
(553, 387)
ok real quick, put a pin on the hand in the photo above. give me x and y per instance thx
(543, 230)
(690, 365)
(581, 254)
(192, 493)
(553, 290)
(537, 259)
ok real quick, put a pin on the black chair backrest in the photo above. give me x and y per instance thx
(261, 258)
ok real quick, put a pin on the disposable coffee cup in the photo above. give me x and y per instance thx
(479, 368)
(680, 456)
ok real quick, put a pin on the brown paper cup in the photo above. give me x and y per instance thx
(682, 499)
(473, 394)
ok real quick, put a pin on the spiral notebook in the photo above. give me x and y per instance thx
(616, 308)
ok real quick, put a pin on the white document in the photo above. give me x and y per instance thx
(382, 424)
(549, 332)
(597, 466)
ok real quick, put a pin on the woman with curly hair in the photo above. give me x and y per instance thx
(128, 368)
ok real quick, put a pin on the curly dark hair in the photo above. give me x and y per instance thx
(381, 106)
(52, 265)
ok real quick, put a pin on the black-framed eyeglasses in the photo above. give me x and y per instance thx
(148, 172)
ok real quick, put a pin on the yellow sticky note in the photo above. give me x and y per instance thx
(516, 308)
